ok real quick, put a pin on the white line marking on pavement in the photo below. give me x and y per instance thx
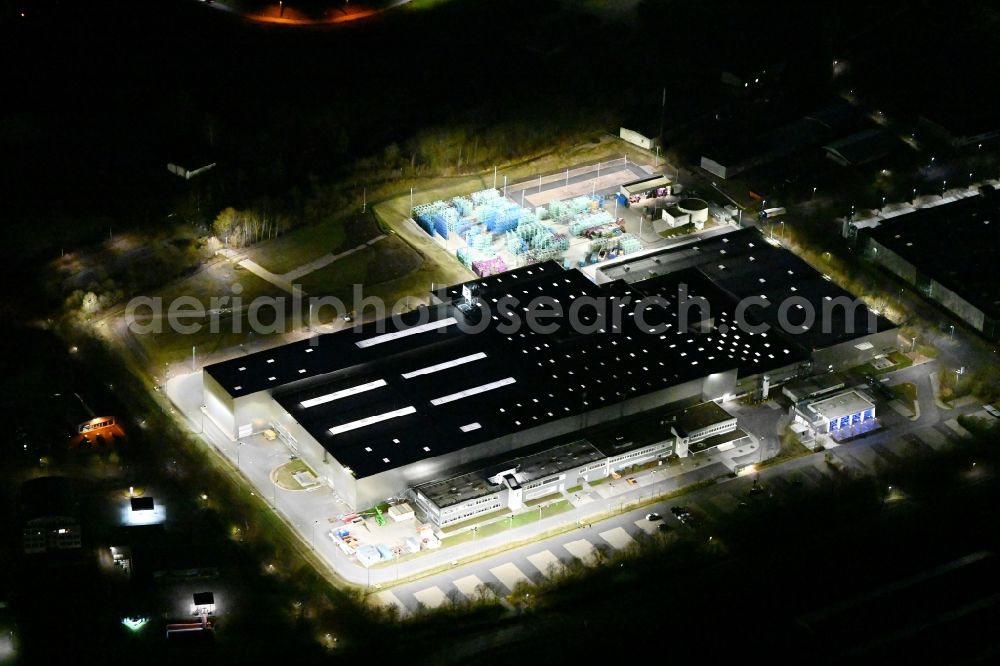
(468, 585)
(580, 549)
(432, 597)
(509, 575)
(617, 537)
(387, 598)
(544, 561)
(646, 526)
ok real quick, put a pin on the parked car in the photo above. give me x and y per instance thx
(653, 517)
(992, 411)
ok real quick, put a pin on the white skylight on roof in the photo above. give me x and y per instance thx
(270, 360)
(475, 390)
(369, 420)
(469, 427)
(343, 393)
(406, 332)
(444, 366)
(271, 379)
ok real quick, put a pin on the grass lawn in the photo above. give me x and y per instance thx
(678, 231)
(476, 520)
(285, 476)
(216, 280)
(906, 392)
(791, 448)
(899, 360)
(574, 489)
(597, 482)
(300, 246)
(543, 498)
(927, 350)
(385, 261)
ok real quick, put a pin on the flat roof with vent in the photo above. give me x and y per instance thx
(954, 244)
(409, 397)
(525, 469)
(743, 264)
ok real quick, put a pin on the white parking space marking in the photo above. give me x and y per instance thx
(581, 549)
(509, 575)
(617, 537)
(468, 585)
(544, 561)
(387, 598)
(432, 597)
(647, 526)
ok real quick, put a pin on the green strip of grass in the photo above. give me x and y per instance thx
(542, 499)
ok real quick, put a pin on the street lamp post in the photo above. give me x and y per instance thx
(314, 534)
(411, 201)
(951, 335)
(913, 344)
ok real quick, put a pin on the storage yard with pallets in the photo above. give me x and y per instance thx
(489, 233)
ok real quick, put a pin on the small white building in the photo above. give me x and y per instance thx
(696, 210)
(638, 138)
(675, 217)
(835, 413)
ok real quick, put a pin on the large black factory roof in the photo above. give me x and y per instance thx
(394, 392)
(743, 265)
(954, 244)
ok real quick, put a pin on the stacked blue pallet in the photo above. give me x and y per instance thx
(463, 226)
(426, 224)
(440, 226)
(484, 196)
(464, 205)
(451, 218)
(464, 255)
